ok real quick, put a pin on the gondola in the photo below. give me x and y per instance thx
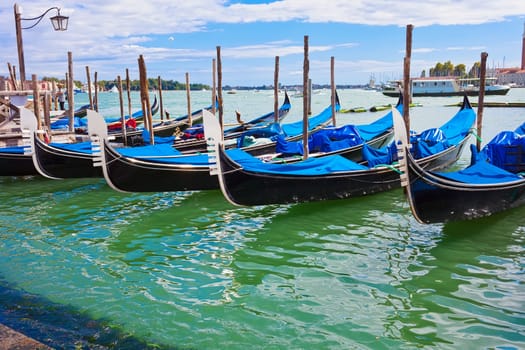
(164, 168)
(152, 168)
(157, 168)
(80, 122)
(15, 162)
(194, 141)
(74, 158)
(347, 140)
(15, 153)
(492, 183)
(246, 180)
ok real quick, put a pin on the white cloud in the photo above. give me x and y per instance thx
(115, 32)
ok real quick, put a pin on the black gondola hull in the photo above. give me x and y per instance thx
(244, 187)
(132, 175)
(57, 163)
(434, 200)
(16, 165)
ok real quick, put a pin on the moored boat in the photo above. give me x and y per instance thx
(242, 176)
(446, 86)
(492, 183)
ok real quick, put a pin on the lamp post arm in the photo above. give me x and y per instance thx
(39, 18)
(57, 22)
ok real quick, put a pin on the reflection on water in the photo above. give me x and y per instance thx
(188, 270)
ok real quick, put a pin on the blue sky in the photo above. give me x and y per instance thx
(366, 38)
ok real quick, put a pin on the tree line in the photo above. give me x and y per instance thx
(104, 85)
(449, 69)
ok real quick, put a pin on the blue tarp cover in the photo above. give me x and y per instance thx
(63, 123)
(459, 126)
(162, 149)
(158, 139)
(520, 129)
(481, 173)
(80, 147)
(13, 149)
(369, 131)
(163, 153)
(312, 166)
(325, 140)
(380, 156)
(435, 140)
(507, 151)
(272, 131)
(296, 128)
(429, 142)
(331, 139)
(497, 162)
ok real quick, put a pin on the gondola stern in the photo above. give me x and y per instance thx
(28, 124)
(213, 135)
(404, 158)
(466, 103)
(98, 134)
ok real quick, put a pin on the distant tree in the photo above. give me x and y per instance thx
(475, 70)
(422, 74)
(448, 68)
(460, 70)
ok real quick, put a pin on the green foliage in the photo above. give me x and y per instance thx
(152, 83)
(76, 83)
(449, 69)
(135, 84)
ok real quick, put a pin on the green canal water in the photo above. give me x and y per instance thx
(83, 266)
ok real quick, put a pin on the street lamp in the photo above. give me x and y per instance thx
(59, 23)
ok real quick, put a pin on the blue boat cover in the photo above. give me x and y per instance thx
(370, 131)
(507, 151)
(312, 166)
(63, 123)
(163, 153)
(262, 120)
(497, 162)
(196, 131)
(481, 173)
(158, 139)
(520, 129)
(161, 149)
(80, 147)
(296, 128)
(459, 126)
(332, 139)
(325, 140)
(380, 156)
(13, 149)
(435, 140)
(272, 131)
(429, 142)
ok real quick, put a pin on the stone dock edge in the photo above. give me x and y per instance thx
(13, 340)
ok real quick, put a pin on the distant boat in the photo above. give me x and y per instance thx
(113, 89)
(446, 86)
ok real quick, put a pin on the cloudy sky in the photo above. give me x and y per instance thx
(366, 37)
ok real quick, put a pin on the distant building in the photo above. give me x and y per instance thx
(514, 76)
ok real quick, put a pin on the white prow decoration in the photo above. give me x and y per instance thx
(98, 131)
(28, 126)
(402, 144)
(213, 134)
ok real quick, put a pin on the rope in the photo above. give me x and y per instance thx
(390, 166)
(473, 132)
